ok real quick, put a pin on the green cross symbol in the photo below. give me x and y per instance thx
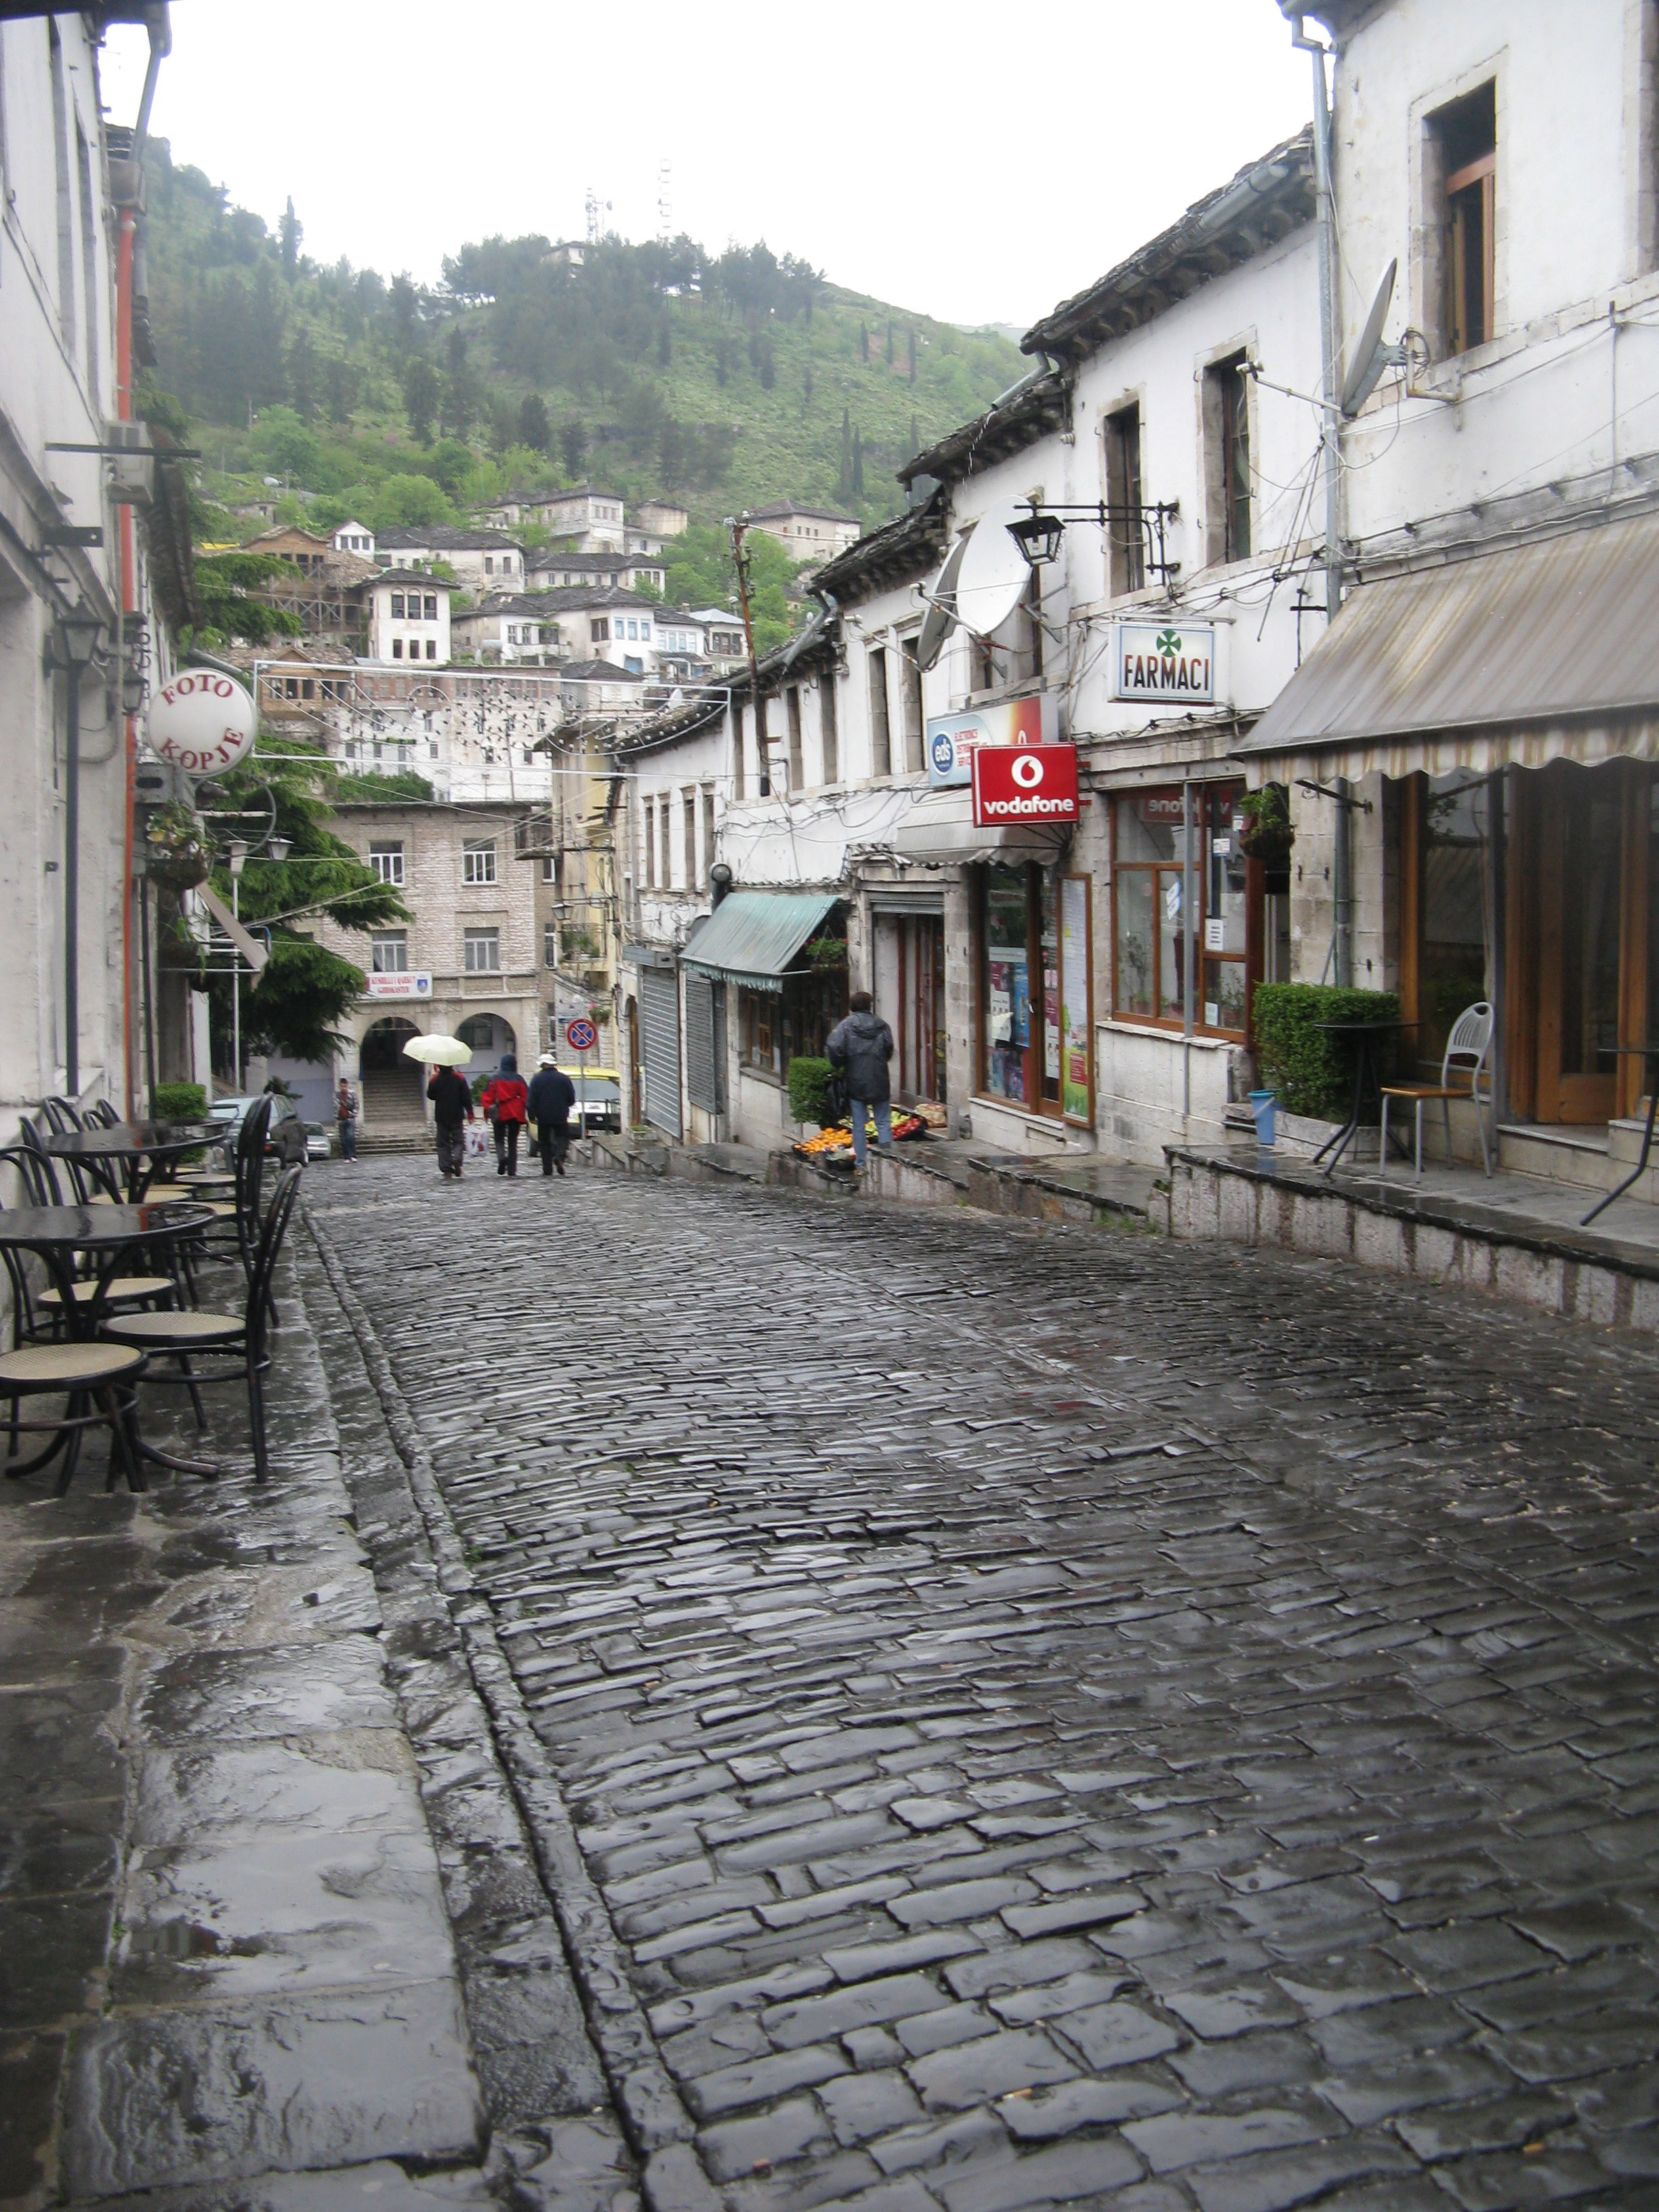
(1168, 641)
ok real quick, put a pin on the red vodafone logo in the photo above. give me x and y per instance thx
(1024, 783)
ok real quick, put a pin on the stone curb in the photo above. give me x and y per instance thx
(649, 2104)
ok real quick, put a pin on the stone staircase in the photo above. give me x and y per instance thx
(393, 1113)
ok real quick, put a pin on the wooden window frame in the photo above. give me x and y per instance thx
(1471, 191)
(881, 713)
(1126, 544)
(1203, 795)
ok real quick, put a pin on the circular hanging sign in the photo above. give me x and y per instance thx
(580, 1037)
(202, 722)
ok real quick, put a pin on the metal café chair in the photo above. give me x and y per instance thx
(1467, 1051)
(242, 1341)
(103, 1115)
(61, 1116)
(38, 1313)
(97, 1381)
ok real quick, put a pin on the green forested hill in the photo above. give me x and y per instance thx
(728, 380)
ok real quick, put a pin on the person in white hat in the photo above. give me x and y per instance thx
(551, 1097)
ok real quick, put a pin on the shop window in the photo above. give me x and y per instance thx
(1126, 549)
(1019, 988)
(761, 1029)
(1464, 140)
(1149, 934)
(1444, 897)
(774, 1027)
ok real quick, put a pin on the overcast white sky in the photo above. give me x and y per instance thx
(976, 162)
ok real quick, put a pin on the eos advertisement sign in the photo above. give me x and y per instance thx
(1024, 783)
(201, 722)
(952, 738)
(1166, 661)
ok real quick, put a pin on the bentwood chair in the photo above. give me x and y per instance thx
(1466, 1055)
(242, 1341)
(38, 1313)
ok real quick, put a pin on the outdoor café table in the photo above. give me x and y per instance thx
(138, 1147)
(108, 1233)
(1364, 1075)
(1650, 1053)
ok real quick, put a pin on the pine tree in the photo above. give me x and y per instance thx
(421, 396)
(913, 354)
(288, 234)
(858, 466)
(534, 428)
(573, 444)
(844, 491)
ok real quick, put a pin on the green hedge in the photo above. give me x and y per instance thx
(1310, 1071)
(809, 1089)
(178, 1101)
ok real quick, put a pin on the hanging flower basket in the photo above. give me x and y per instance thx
(178, 854)
(828, 954)
(1267, 834)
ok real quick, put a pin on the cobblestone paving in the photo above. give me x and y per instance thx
(1066, 1718)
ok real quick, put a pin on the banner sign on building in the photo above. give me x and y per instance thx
(1024, 783)
(411, 984)
(1171, 663)
(952, 738)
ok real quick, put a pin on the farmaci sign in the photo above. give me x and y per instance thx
(1166, 661)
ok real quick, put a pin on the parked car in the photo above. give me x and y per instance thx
(319, 1143)
(286, 1136)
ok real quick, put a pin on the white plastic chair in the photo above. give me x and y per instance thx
(1467, 1046)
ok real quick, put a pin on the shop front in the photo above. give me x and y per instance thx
(777, 961)
(1035, 990)
(1500, 717)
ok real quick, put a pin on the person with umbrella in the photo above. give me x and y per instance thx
(451, 1095)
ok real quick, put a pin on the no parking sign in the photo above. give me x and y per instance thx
(580, 1036)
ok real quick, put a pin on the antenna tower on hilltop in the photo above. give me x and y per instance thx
(664, 206)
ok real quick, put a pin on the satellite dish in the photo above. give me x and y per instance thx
(995, 574)
(940, 621)
(1369, 357)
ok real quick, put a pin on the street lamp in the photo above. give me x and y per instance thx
(1038, 536)
(77, 637)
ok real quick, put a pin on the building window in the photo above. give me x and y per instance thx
(881, 726)
(397, 648)
(650, 812)
(688, 809)
(734, 713)
(397, 606)
(1465, 140)
(389, 951)
(910, 686)
(386, 859)
(601, 629)
(708, 835)
(828, 728)
(481, 950)
(432, 606)
(478, 860)
(549, 946)
(665, 845)
(1227, 457)
(550, 868)
(1126, 543)
(432, 648)
(774, 1027)
(1150, 935)
(489, 565)
(792, 724)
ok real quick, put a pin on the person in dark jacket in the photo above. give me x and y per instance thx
(452, 1109)
(858, 1050)
(551, 1097)
(505, 1103)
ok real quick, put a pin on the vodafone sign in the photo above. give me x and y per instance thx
(1024, 783)
(202, 722)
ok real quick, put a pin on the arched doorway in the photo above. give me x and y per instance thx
(393, 1089)
(488, 1037)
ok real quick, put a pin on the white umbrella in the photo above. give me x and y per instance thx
(440, 1051)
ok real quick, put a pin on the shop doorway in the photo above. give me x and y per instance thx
(1578, 878)
(922, 1007)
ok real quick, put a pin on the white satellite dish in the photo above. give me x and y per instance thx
(1369, 357)
(995, 574)
(940, 619)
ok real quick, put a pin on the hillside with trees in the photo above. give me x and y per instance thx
(727, 379)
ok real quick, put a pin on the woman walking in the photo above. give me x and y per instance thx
(506, 1104)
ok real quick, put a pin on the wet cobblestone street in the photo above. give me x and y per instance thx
(1059, 1718)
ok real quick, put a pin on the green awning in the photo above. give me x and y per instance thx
(751, 936)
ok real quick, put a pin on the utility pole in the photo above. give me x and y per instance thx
(739, 530)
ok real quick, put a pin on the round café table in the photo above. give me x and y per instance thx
(138, 1148)
(57, 1233)
(1366, 1076)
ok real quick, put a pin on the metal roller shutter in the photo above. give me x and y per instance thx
(659, 1045)
(704, 1042)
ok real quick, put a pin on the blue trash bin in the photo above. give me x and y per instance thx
(1264, 1105)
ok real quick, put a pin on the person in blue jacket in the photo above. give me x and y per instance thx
(551, 1097)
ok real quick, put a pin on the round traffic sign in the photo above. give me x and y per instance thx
(580, 1036)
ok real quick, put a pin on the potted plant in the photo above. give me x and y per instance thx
(1268, 836)
(177, 850)
(828, 954)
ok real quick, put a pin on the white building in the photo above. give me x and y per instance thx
(807, 533)
(482, 560)
(85, 531)
(408, 617)
(556, 566)
(505, 628)
(354, 538)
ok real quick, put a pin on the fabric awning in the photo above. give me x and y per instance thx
(1538, 653)
(751, 936)
(939, 827)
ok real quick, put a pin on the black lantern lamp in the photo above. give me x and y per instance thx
(78, 633)
(1038, 536)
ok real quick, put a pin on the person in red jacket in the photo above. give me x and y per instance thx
(506, 1105)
